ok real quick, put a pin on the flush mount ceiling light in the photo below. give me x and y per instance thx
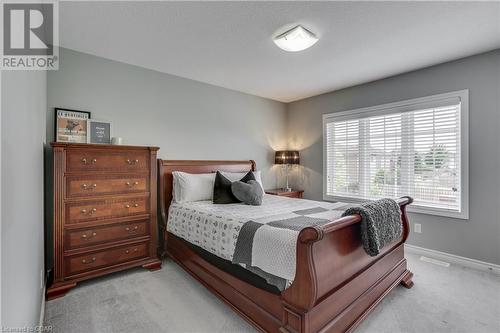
(295, 39)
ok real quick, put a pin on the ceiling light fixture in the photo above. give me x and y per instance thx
(295, 39)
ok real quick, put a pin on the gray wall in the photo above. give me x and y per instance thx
(186, 119)
(192, 120)
(23, 134)
(478, 237)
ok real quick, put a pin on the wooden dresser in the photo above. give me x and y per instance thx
(104, 212)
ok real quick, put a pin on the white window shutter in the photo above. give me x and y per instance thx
(408, 151)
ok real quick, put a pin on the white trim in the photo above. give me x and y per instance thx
(454, 259)
(410, 105)
(42, 308)
(325, 197)
(1, 110)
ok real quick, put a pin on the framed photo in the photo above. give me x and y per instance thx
(99, 131)
(71, 125)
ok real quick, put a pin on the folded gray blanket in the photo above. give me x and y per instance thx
(380, 223)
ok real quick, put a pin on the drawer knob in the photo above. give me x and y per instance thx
(85, 261)
(85, 161)
(92, 211)
(134, 205)
(132, 162)
(85, 237)
(131, 184)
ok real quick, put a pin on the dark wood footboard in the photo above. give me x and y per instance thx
(336, 283)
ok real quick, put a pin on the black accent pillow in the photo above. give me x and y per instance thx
(222, 188)
(248, 177)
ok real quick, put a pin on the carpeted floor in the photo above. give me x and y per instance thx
(453, 299)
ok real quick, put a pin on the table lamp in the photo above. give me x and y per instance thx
(287, 158)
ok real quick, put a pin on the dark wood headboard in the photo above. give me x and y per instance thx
(165, 168)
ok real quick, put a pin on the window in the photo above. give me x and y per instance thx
(417, 147)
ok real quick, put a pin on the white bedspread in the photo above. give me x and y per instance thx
(216, 228)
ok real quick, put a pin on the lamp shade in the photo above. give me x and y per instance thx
(287, 157)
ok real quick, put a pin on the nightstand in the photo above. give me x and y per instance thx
(282, 193)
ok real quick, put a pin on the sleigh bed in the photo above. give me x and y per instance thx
(336, 284)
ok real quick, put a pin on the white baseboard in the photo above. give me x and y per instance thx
(42, 309)
(454, 259)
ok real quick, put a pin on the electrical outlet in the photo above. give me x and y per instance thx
(418, 228)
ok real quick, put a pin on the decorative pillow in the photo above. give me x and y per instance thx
(222, 193)
(234, 176)
(189, 187)
(249, 192)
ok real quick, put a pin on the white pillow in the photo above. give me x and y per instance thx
(235, 176)
(192, 186)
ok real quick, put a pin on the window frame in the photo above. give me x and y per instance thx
(401, 107)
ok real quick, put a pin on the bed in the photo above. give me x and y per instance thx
(336, 284)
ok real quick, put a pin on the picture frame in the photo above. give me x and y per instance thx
(71, 125)
(98, 131)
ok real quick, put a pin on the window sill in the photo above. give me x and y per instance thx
(464, 215)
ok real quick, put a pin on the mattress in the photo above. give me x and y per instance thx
(262, 239)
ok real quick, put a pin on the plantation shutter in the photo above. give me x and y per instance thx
(409, 150)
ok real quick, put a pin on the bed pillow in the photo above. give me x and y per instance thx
(234, 176)
(189, 187)
(249, 192)
(222, 188)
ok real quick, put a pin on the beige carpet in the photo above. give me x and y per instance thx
(453, 299)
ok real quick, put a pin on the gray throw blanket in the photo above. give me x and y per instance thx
(380, 224)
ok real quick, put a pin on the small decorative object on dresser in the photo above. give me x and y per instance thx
(283, 193)
(116, 140)
(287, 158)
(99, 131)
(104, 212)
(71, 125)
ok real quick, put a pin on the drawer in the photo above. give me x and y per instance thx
(290, 195)
(86, 211)
(84, 186)
(86, 262)
(101, 234)
(103, 160)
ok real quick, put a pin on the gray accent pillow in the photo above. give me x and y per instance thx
(249, 192)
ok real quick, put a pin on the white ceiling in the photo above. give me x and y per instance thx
(229, 44)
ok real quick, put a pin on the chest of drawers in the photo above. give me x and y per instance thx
(104, 212)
